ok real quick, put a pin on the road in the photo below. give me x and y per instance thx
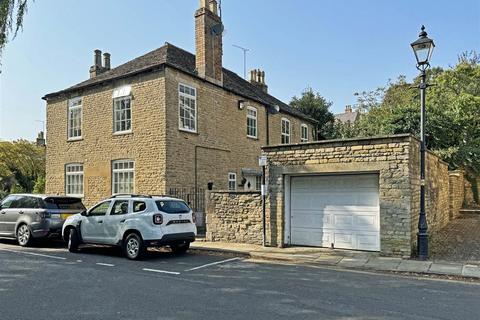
(98, 283)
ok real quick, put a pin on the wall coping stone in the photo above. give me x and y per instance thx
(233, 192)
(333, 141)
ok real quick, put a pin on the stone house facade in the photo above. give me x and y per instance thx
(360, 194)
(166, 120)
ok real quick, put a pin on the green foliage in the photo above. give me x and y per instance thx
(22, 165)
(39, 185)
(11, 19)
(453, 112)
(317, 107)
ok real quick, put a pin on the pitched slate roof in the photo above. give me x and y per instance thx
(182, 60)
(345, 117)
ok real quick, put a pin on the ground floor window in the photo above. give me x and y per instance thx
(232, 181)
(123, 176)
(258, 182)
(74, 179)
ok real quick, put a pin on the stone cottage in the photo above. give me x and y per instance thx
(166, 121)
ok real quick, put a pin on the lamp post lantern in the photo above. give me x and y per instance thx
(423, 48)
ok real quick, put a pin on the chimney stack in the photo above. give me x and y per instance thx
(106, 61)
(97, 67)
(257, 78)
(41, 139)
(208, 41)
(348, 109)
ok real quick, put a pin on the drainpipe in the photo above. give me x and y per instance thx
(267, 127)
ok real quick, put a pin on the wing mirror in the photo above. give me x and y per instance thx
(84, 213)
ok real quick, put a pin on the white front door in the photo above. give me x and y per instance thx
(338, 210)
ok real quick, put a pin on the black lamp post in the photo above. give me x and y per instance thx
(423, 49)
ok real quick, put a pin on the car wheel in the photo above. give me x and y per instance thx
(73, 240)
(133, 247)
(24, 236)
(180, 248)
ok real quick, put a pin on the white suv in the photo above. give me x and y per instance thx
(133, 222)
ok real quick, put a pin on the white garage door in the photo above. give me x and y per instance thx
(338, 209)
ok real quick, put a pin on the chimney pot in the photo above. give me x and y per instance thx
(213, 6)
(97, 58)
(106, 61)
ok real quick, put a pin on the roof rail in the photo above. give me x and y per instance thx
(124, 195)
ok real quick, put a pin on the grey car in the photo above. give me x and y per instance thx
(27, 217)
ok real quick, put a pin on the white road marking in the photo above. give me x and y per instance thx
(105, 264)
(213, 264)
(161, 271)
(35, 254)
(79, 260)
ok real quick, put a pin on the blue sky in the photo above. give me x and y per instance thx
(336, 47)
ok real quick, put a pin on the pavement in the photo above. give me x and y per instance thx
(346, 259)
(459, 241)
(48, 282)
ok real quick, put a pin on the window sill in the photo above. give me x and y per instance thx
(74, 139)
(122, 133)
(188, 131)
(252, 137)
(75, 195)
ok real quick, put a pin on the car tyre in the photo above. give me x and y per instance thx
(24, 235)
(180, 248)
(73, 240)
(133, 247)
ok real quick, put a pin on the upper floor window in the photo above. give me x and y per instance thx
(304, 137)
(123, 176)
(75, 118)
(251, 122)
(74, 179)
(285, 131)
(232, 181)
(187, 97)
(122, 110)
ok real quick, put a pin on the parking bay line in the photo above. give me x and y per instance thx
(213, 264)
(161, 271)
(34, 254)
(105, 264)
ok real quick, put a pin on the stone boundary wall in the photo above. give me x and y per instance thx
(234, 217)
(457, 192)
(469, 201)
(436, 192)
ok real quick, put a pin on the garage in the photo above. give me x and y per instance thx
(335, 210)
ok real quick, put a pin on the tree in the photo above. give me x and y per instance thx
(317, 107)
(22, 166)
(11, 19)
(453, 112)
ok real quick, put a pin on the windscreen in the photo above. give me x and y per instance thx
(172, 206)
(64, 204)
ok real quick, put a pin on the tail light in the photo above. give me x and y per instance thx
(157, 218)
(43, 214)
